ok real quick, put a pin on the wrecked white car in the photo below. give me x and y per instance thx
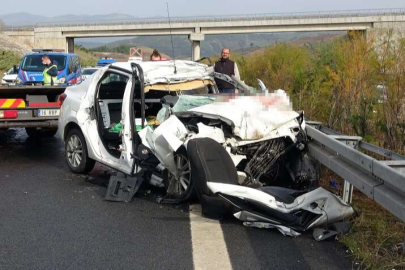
(160, 122)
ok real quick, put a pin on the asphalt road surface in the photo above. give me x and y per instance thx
(51, 218)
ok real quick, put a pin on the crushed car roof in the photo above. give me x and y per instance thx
(174, 71)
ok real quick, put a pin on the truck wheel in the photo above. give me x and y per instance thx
(34, 132)
(76, 153)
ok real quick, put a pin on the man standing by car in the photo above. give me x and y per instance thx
(228, 67)
(50, 72)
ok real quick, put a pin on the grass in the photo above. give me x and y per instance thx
(87, 58)
(375, 233)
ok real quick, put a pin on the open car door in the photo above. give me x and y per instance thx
(134, 95)
(96, 126)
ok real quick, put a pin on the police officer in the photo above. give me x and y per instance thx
(50, 72)
(228, 67)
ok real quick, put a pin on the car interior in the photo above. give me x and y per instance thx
(109, 98)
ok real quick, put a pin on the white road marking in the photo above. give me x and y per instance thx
(209, 247)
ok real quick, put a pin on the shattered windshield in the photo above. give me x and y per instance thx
(185, 103)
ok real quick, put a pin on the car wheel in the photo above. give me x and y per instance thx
(76, 153)
(34, 132)
(180, 185)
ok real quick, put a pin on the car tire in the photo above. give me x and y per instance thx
(36, 133)
(181, 188)
(76, 153)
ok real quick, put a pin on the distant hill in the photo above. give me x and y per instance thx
(212, 44)
(303, 41)
(22, 18)
(89, 44)
(318, 39)
(123, 56)
(31, 19)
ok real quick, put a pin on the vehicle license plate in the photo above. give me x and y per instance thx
(48, 112)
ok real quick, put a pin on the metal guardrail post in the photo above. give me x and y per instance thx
(347, 192)
(352, 141)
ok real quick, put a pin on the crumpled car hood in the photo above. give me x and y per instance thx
(256, 117)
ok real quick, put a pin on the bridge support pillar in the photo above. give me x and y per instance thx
(195, 39)
(70, 45)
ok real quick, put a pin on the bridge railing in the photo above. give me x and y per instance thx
(222, 18)
(355, 161)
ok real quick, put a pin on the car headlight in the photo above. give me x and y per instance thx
(18, 81)
(62, 80)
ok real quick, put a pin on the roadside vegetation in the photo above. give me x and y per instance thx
(119, 49)
(356, 86)
(87, 57)
(7, 60)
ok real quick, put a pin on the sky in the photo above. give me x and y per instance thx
(180, 8)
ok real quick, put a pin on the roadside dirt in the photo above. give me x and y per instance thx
(14, 45)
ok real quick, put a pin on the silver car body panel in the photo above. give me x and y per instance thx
(330, 207)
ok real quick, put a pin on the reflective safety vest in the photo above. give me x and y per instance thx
(48, 79)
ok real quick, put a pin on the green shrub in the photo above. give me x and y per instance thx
(8, 59)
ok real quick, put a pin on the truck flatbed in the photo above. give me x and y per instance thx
(32, 107)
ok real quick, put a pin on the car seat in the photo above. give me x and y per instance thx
(210, 162)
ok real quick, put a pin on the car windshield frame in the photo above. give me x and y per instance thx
(37, 66)
(11, 72)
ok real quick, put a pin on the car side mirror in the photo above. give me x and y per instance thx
(262, 86)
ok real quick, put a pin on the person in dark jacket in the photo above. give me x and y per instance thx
(228, 67)
(50, 72)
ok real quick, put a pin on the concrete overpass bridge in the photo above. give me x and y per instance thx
(61, 35)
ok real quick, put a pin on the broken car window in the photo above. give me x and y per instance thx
(185, 102)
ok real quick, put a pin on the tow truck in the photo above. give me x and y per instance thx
(35, 108)
(31, 105)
